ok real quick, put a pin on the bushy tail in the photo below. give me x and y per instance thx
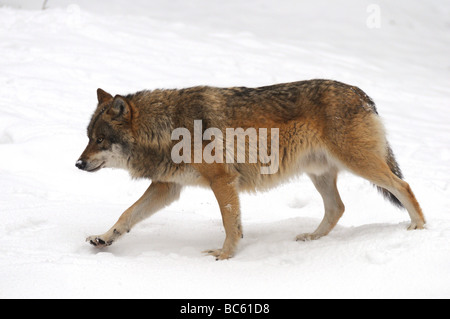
(393, 165)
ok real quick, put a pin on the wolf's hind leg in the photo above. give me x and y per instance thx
(378, 172)
(156, 197)
(334, 208)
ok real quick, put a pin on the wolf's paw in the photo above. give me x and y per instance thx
(307, 237)
(419, 225)
(218, 253)
(98, 241)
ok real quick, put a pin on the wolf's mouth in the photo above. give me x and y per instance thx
(96, 168)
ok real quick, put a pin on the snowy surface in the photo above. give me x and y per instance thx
(51, 63)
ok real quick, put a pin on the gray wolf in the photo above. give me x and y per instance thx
(323, 126)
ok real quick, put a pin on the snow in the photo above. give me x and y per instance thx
(53, 60)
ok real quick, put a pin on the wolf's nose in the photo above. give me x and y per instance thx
(80, 164)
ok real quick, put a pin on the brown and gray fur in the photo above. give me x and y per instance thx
(324, 127)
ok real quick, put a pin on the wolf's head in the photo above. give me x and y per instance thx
(110, 134)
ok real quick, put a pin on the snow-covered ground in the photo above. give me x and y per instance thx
(53, 60)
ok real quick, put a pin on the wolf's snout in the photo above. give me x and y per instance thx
(81, 164)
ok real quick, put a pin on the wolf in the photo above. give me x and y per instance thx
(324, 127)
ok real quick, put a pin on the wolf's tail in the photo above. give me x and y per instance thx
(393, 165)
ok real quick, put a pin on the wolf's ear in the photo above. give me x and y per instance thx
(103, 96)
(120, 109)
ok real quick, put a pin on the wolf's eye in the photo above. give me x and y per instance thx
(100, 140)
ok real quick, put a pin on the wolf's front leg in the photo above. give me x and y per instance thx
(156, 197)
(228, 199)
